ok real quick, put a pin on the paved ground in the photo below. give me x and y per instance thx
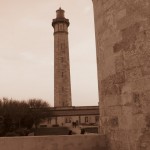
(76, 130)
(89, 129)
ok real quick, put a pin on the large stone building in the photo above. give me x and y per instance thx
(122, 30)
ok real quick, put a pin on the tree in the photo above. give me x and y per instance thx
(15, 115)
(38, 110)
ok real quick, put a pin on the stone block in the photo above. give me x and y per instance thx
(133, 74)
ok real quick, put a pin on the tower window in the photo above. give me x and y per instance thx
(56, 28)
(62, 74)
(61, 26)
(62, 89)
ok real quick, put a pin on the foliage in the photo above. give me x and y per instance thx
(15, 115)
(38, 110)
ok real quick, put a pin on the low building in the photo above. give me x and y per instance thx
(65, 116)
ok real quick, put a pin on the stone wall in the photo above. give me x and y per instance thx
(123, 57)
(81, 142)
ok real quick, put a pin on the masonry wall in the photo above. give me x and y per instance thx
(81, 142)
(123, 57)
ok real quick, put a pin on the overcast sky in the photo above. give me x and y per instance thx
(27, 50)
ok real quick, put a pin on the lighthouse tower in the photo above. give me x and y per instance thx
(62, 85)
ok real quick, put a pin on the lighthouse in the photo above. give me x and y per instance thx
(62, 83)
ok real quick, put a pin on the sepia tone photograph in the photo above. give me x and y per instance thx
(75, 75)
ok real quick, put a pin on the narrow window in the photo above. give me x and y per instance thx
(62, 46)
(86, 119)
(61, 27)
(62, 74)
(62, 59)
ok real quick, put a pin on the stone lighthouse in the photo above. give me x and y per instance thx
(62, 85)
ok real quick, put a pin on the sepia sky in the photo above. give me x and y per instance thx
(27, 49)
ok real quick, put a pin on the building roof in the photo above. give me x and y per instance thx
(74, 111)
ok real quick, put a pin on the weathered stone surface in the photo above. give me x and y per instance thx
(123, 62)
(62, 85)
